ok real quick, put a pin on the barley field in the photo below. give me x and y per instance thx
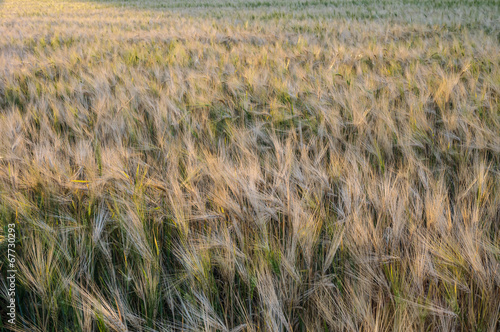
(271, 165)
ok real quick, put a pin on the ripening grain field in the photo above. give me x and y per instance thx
(279, 165)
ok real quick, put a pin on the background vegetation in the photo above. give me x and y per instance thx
(251, 165)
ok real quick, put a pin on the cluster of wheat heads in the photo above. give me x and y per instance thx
(251, 166)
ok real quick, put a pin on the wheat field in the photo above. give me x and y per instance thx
(279, 165)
